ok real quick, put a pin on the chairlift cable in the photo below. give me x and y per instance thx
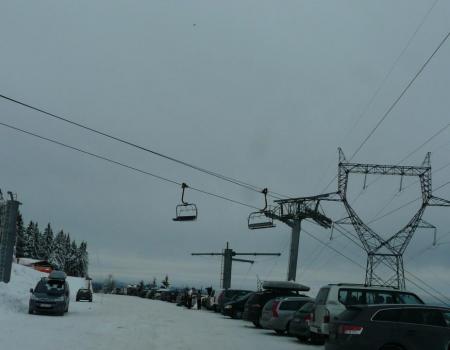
(124, 165)
(142, 148)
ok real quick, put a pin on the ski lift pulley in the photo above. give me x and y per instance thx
(185, 211)
(258, 219)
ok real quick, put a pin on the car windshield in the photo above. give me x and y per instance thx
(52, 287)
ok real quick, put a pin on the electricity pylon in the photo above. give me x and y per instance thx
(389, 251)
(228, 255)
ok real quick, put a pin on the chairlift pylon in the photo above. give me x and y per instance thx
(185, 211)
(258, 219)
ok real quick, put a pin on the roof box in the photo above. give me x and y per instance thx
(285, 285)
(57, 275)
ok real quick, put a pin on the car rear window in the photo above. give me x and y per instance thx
(292, 305)
(308, 307)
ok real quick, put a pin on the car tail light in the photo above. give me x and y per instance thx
(350, 329)
(307, 319)
(275, 307)
(326, 317)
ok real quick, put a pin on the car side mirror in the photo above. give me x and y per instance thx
(31, 290)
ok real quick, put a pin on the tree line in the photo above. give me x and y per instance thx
(59, 249)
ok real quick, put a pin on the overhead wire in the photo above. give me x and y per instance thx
(109, 160)
(385, 79)
(142, 148)
(397, 100)
(442, 298)
(394, 104)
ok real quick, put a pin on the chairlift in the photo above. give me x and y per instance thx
(258, 219)
(185, 211)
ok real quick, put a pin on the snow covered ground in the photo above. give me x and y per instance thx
(122, 322)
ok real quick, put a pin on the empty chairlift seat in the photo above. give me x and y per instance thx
(258, 220)
(185, 211)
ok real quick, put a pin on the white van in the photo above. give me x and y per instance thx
(333, 299)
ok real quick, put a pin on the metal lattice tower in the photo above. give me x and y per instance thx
(228, 256)
(291, 212)
(387, 251)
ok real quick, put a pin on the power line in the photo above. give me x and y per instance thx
(124, 165)
(389, 110)
(431, 138)
(445, 299)
(404, 205)
(386, 77)
(392, 106)
(142, 148)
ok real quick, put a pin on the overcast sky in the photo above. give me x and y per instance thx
(263, 91)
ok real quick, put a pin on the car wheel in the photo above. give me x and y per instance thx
(77, 299)
(317, 339)
(302, 338)
(90, 300)
(30, 311)
(279, 331)
(257, 324)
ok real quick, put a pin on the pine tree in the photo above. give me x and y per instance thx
(72, 261)
(58, 255)
(165, 282)
(20, 239)
(47, 242)
(28, 240)
(38, 243)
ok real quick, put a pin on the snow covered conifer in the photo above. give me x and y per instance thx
(47, 242)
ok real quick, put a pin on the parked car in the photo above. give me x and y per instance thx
(273, 289)
(51, 295)
(169, 295)
(278, 313)
(227, 295)
(333, 299)
(235, 307)
(299, 325)
(390, 327)
(84, 294)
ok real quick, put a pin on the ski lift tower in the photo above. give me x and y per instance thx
(292, 212)
(381, 250)
(228, 256)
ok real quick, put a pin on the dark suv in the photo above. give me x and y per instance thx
(390, 327)
(84, 294)
(51, 295)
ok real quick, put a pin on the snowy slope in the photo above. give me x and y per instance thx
(14, 296)
(114, 322)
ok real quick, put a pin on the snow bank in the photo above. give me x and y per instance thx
(14, 296)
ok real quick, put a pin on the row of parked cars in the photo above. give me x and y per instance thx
(343, 316)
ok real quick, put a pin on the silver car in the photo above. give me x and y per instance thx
(277, 313)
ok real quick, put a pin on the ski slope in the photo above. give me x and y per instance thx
(123, 322)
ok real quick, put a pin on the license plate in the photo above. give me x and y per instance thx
(45, 305)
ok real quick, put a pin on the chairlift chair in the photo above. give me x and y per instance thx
(259, 219)
(185, 211)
